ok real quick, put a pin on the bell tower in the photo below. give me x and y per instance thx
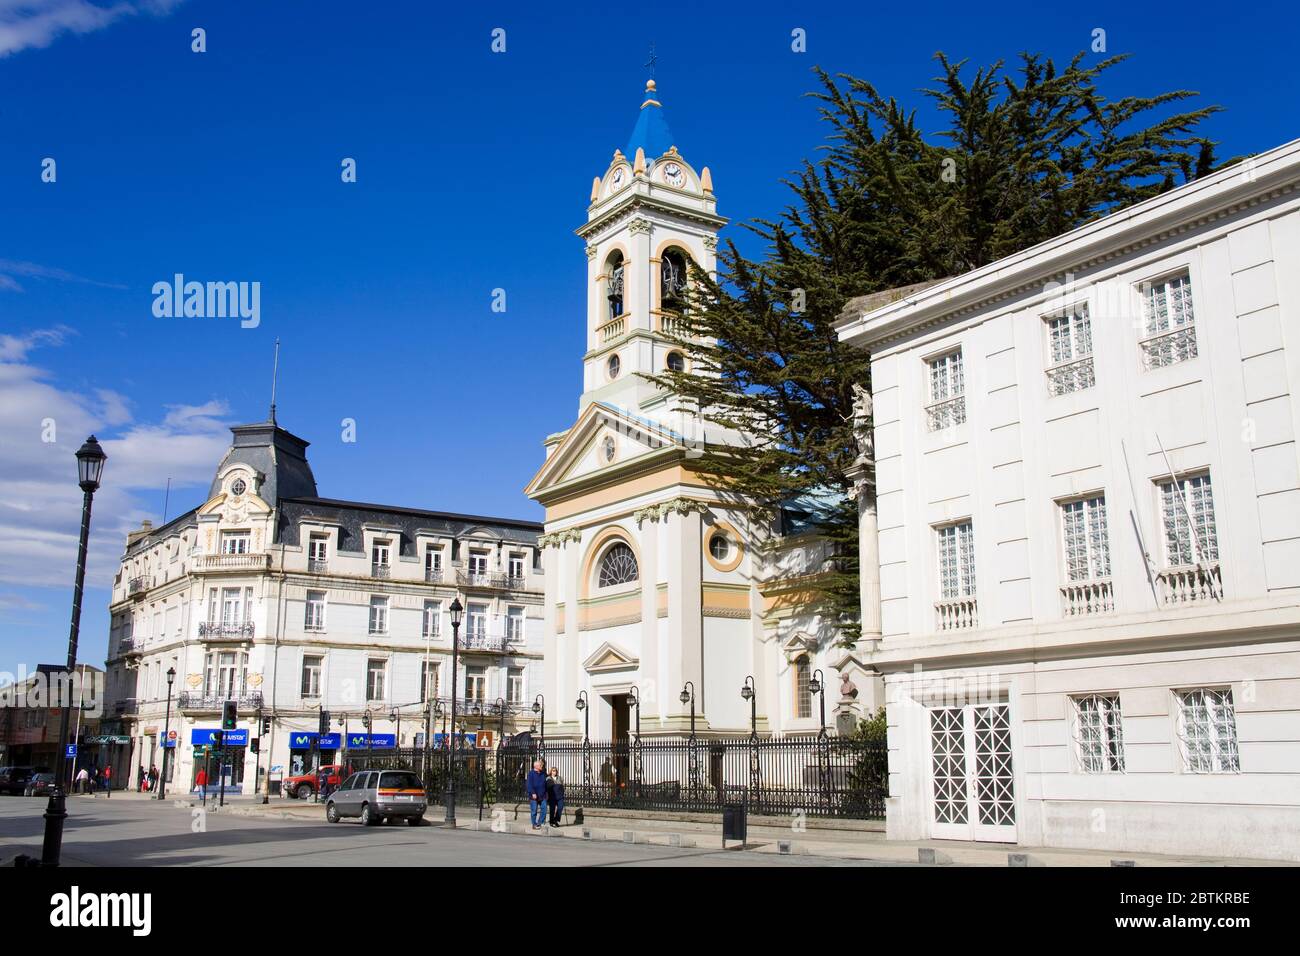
(651, 215)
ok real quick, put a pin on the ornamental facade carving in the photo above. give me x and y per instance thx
(680, 506)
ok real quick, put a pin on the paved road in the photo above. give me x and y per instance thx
(102, 832)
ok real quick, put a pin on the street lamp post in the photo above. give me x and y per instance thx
(693, 758)
(501, 710)
(539, 707)
(90, 468)
(749, 691)
(818, 686)
(167, 734)
(455, 610)
(395, 715)
(586, 741)
(634, 700)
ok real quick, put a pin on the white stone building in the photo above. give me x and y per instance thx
(657, 579)
(289, 603)
(1089, 531)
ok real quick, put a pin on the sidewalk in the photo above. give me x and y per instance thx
(832, 839)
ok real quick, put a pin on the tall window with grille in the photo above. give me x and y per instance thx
(1099, 733)
(1169, 322)
(1087, 556)
(476, 682)
(379, 559)
(376, 679)
(515, 685)
(318, 553)
(802, 682)
(1207, 729)
(515, 624)
(428, 680)
(516, 566)
(379, 615)
(433, 564)
(311, 670)
(956, 553)
(314, 617)
(947, 391)
(1069, 342)
(1187, 513)
(432, 619)
(476, 621)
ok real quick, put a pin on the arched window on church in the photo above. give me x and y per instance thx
(672, 281)
(614, 284)
(802, 693)
(617, 566)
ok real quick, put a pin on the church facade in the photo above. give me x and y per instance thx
(662, 591)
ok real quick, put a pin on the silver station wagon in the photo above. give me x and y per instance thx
(378, 795)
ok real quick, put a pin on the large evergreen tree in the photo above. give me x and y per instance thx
(1022, 157)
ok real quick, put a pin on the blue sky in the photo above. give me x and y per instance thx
(474, 168)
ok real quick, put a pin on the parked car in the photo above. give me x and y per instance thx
(304, 785)
(39, 785)
(13, 780)
(378, 795)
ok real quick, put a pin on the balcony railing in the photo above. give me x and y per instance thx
(195, 702)
(611, 330)
(317, 565)
(1169, 347)
(233, 562)
(485, 579)
(1071, 376)
(129, 705)
(138, 585)
(673, 325)
(1087, 597)
(381, 571)
(217, 630)
(1190, 584)
(956, 614)
(433, 576)
(128, 645)
(490, 643)
(947, 413)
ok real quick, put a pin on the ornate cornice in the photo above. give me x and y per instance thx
(558, 539)
(680, 506)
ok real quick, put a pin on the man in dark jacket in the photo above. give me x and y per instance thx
(535, 784)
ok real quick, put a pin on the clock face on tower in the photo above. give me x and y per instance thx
(674, 176)
(618, 177)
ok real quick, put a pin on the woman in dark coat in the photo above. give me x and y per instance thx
(555, 795)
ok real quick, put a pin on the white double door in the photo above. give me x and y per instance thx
(973, 787)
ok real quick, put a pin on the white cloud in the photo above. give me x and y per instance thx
(28, 24)
(34, 270)
(40, 503)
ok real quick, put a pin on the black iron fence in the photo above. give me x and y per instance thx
(818, 776)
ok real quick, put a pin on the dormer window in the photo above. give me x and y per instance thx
(379, 559)
(234, 542)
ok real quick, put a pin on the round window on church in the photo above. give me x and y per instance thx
(238, 487)
(720, 547)
(676, 362)
(613, 365)
(617, 566)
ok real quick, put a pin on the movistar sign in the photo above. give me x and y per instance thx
(304, 741)
(207, 736)
(362, 741)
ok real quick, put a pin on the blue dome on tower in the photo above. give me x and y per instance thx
(651, 132)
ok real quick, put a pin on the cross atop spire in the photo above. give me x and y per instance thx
(653, 60)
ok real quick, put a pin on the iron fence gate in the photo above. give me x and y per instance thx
(818, 776)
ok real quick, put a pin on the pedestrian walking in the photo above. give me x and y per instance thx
(536, 786)
(153, 779)
(201, 784)
(555, 795)
(108, 780)
(83, 780)
(144, 776)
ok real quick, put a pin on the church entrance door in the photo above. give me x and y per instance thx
(619, 727)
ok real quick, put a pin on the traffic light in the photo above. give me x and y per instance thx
(254, 745)
(266, 725)
(229, 715)
(324, 722)
(217, 737)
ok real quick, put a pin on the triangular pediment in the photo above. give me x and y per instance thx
(609, 657)
(604, 440)
(800, 642)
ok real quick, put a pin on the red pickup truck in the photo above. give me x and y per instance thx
(303, 786)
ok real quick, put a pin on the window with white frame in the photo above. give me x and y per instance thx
(1084, 534)
(428, 680)
(1187, 515)
(515, 624)
(379, 615)
(432, 618)
(476, 621)
(947, 391)
(1169, 322)
(318, 552)
(433, 564)
(1207, 728)
(956, 560)
(380, 554)
(232, 602)
(311, 671)
(1069, 343)
(314, 619)
(478, 562)
(234, 542)
(516, 566)
(376, 679)
(515, 685)
(1099, 733)
(476, 682)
